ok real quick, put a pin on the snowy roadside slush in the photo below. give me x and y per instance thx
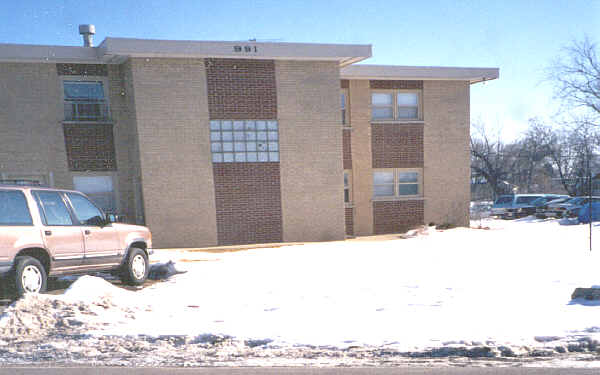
(463, 296)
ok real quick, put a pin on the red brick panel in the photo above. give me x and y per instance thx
(347, 148)
(394, 85)
(397, 145)
(349, 221)
(248, 203)
(82, 69)
(241, 89)
(90, 147)
(397, 216)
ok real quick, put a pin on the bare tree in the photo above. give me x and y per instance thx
(573, 152)
(488, 160)
(577, 76)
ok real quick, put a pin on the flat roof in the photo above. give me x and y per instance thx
(117, 50)
(396, 72)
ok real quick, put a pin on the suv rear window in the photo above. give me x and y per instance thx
(14, 209)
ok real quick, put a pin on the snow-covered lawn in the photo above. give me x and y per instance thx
(507, 288)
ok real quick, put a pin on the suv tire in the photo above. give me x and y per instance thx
(29, 276)
(135, 269)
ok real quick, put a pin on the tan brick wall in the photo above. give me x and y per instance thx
(171, 116)
(122, 105)
(446, 159)
(362, 170)
(31, 112)
(312, 183)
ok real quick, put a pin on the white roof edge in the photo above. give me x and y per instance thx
(234, 49)
(40, 53)
(391, 72)
(115, 50)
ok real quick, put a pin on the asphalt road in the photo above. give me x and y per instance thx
(295, 371)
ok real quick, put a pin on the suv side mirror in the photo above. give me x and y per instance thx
(98, 221)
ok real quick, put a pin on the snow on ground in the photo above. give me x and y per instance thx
(498, 292)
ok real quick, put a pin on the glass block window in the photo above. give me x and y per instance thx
(244, 141)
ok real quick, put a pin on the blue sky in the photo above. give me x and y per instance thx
(520, 37)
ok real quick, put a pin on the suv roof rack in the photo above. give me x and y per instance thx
(22, 182)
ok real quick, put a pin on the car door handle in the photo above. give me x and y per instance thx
(86, 232)
(48, 232)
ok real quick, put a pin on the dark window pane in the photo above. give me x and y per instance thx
(408, 189)
(14, 209)
(86, 212)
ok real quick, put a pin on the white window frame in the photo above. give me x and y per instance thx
(345, 108)
(395, 106)
(105, 89)
(396, 173)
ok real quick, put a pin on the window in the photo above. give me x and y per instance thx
(13, 208)
(397, 183)
(347, 190)
(395, 105)
(344, 103)
(53, 208)
(99, 189)
(85, 211)
(84, 101)
(249, 141)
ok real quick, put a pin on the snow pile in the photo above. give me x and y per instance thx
(90, 304)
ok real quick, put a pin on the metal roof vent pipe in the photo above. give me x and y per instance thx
(87, 31)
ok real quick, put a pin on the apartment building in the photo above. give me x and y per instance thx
(222, 143)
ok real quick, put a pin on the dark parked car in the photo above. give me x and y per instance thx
(530, 209)
(568, 208)
(575, 209)
(547, 209)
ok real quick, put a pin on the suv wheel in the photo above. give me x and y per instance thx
(136, 267)
(30, 276)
